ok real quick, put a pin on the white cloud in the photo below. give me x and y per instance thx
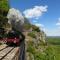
(35, 12)
(58, 23)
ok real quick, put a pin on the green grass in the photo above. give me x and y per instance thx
(55, 43)
(53, 40)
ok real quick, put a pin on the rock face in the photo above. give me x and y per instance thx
(34, 45)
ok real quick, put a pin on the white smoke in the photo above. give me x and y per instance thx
(15, 18)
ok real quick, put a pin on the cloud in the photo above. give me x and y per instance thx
(58, 23)
(49, 32)
(35, 12)
(55, 31)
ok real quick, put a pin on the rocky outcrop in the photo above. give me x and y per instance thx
(34, 45)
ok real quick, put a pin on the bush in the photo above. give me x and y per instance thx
(27, 26)
(31, 34)
(30, 47)
(35, 28)
(49, 53)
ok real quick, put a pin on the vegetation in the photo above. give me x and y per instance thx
(35, 28)
(31, 34)
(4, 7)
(51, 51)
(55, 43)
(27, 26)
(47, 54)
(3, 21)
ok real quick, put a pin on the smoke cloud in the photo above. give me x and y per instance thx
(15, 18)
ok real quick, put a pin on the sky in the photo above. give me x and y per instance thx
(43, 13)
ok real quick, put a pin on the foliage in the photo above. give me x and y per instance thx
(53, 40)
(30, 48)
(35, 28)
(47, 54)
(27, 26)
(55, 43)
(39, 56)
(4, 7)
(3, 20)
(31, 34)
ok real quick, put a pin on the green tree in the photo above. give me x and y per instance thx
(4, 7)
(35, 28)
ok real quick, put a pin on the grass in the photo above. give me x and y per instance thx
(53, 40)
(55, 43)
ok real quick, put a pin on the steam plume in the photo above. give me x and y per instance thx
(15, 18)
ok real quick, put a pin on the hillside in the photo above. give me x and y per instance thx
(36, 47)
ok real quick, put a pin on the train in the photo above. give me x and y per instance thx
(12, 37)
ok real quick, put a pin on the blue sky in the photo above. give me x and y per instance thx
(48, 20)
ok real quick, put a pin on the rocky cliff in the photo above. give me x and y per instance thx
(36, 47)
(34, 44)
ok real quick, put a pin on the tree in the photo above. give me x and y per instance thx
(35, 28)
(4, 7)
(3, 21)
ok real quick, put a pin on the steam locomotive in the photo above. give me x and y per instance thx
(13, 37)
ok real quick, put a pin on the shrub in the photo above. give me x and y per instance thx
(31, 34)
(27, 26)
(35, 28)
(49, 53)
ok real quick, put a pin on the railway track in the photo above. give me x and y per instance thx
(7, 53)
